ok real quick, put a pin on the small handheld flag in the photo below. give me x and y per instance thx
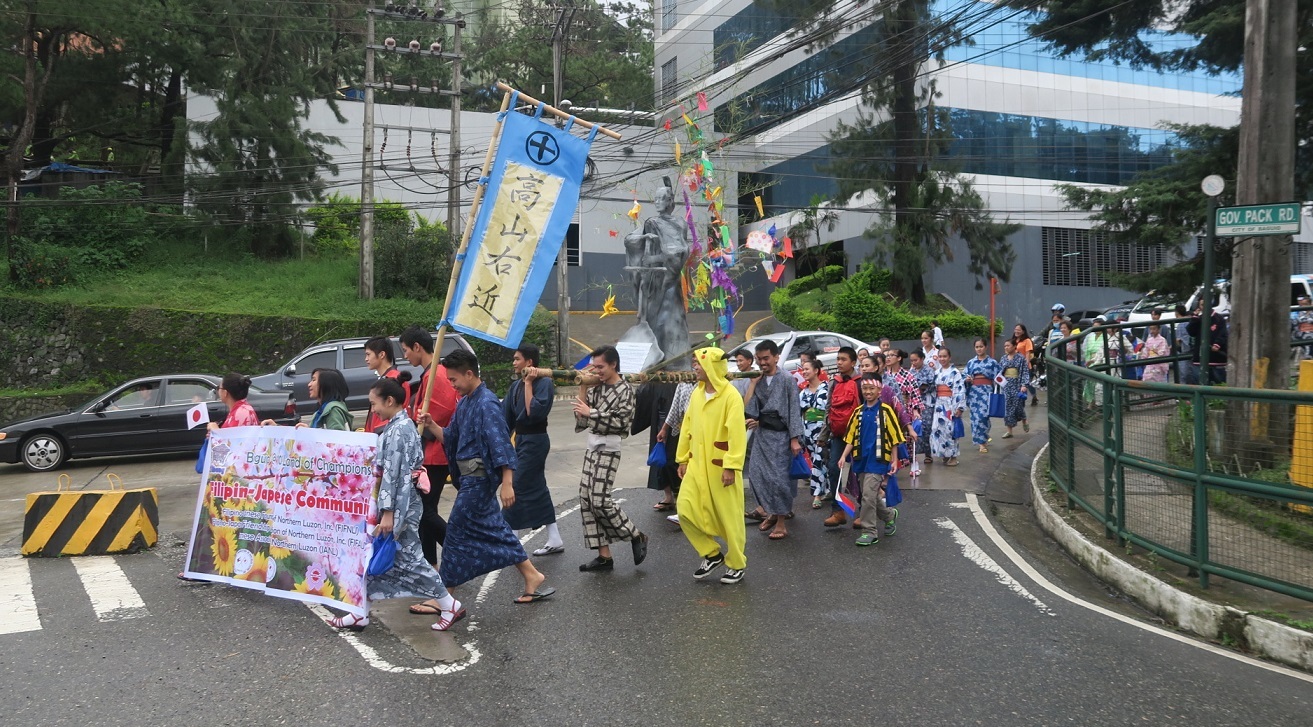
(198, 415)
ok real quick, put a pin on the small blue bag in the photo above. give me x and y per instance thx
(892, 495)
(657, 457)
(200, 459)
(384, 555)
(958, 430)
(799, 469)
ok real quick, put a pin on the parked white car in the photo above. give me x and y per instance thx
(794, 343)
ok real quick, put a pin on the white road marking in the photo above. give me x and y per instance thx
(372, 657)
(111, 594)
(974, 554)
(1047, 585)
(490, 579)
(17, 601)
(961, 505)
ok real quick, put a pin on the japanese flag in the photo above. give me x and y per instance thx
(198, 415)
(1001, 380)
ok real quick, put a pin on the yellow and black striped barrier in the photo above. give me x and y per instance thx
(90, 522)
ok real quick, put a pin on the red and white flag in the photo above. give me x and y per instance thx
(198, 415)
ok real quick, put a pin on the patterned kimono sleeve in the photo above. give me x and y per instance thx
(390, 463)
(792, 414)
(490, 430)
(1025, 370)
(451, 437)
(613, 409)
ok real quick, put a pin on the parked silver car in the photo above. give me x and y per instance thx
(348, 356)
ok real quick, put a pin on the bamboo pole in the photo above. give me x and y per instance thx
(559, 113)
(574, 377)
(475, 203)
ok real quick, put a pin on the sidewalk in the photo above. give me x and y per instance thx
(1229, 612)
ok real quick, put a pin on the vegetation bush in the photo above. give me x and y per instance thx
(100, 228)
(860, 308)
(412, 261)
(337, 222)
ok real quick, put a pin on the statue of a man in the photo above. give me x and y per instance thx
(656, 255)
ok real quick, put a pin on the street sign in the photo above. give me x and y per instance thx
(1258, 219)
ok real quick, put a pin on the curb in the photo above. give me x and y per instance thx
(1260, 636)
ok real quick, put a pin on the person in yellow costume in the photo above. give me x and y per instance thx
(713, 443)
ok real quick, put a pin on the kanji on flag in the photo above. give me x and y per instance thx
(198, 415)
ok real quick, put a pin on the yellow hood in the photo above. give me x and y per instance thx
(713, 361)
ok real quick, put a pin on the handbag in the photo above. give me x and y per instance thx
(892, 495)
(958, 430)
(657, 457)
(384, 555)
(998, 405)
(200, 458)
(799, 468)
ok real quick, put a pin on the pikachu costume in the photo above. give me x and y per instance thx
(713, 439)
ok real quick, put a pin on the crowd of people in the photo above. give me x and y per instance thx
(844, 435)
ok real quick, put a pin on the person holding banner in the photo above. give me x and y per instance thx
(713, 442)
(400, 453)
(417, 345)
(526, 406)
(478, 443)
(606, 412)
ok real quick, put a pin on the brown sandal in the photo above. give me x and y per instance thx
(767, 524)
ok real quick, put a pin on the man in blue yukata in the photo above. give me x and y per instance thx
(478, 446)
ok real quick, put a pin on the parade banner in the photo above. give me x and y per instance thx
(287, 511)
(532, 193)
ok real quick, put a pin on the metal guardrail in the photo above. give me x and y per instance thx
(1201, 475)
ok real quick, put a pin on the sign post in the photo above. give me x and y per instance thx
(1258, 220)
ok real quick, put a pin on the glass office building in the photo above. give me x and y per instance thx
(1020, 120)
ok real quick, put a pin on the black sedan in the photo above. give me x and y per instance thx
(144, 416)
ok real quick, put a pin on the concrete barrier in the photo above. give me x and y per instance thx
(1260, 636)
(90, 522)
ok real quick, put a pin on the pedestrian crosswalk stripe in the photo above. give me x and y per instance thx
(111, 594)
(17, 601)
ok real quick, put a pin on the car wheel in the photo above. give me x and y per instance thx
(43, 452)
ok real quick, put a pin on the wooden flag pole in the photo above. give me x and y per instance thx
(574, 377)
(456, 267)
(559, 113)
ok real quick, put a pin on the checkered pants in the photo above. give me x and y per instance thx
(604, 521)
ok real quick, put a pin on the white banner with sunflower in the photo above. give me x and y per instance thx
(287, 511)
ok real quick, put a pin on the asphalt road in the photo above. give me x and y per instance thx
(932, 626)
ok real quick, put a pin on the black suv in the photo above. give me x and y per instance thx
(348, 356)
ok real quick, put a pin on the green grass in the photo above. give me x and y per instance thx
(186, 279)
(1285, 619)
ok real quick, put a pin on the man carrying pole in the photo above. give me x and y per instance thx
(605, 410)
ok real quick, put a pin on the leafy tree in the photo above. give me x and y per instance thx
(1166, 206)
(893, 150)
(608, 52)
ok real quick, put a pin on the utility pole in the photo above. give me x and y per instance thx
(366, 290)
(1260, 291)
(560, 31)
(453, 157)
(414, 48)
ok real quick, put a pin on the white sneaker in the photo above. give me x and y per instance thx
(673, 519)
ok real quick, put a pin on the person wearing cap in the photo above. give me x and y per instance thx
(713, 442)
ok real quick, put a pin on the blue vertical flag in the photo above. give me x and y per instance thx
(531, 196)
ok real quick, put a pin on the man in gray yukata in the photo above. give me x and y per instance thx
(775, 421)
